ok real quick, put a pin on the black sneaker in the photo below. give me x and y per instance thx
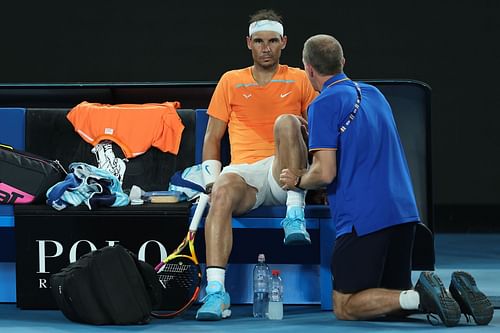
(471, 300)
(434, 299)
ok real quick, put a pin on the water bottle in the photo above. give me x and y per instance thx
(276, 299)
(261, 277)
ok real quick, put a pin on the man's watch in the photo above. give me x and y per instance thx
(297, 183)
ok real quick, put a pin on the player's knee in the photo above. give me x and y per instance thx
(221, 194)
(226, 196)
(286, 121)
(287, 129)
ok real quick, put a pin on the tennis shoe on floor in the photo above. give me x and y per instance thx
(435, 299)
(216, 304)
(471, 300)
(294, 225)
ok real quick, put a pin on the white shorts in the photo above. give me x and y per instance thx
(260, 176)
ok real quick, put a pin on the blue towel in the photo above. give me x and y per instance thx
(89, 185)
(188, 181)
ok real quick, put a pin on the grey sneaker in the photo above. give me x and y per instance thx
(471, 300)
(434, 299)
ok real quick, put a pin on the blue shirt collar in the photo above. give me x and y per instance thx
(334, 78)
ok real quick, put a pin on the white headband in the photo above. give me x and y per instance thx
(265, 25)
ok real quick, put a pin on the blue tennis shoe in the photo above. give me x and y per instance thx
(216, 304)
(294, 225)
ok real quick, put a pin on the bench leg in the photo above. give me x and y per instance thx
(327, 242)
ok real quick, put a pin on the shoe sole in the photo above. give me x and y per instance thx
(470, 299)
(297, 239)
(428, 281)
(210, 316)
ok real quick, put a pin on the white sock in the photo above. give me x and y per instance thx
(409, 300)
(216, 274)
(295, 199)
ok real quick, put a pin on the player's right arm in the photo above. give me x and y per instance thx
(216, 129)
(218, 111)
(211, 165)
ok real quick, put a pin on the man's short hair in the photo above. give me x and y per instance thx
(324, 53)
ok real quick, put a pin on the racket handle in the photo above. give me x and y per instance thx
(198, 213)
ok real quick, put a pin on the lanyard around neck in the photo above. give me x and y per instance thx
(357, 104)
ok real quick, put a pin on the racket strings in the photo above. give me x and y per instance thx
(176, 268)
(179, 275)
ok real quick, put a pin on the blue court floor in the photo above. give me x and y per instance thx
(478, 254)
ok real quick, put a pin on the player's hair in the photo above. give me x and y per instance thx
(265, 14)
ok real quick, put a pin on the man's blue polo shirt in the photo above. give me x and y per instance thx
(373, 189)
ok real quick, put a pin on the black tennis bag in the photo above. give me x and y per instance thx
(26, 177)
(107, 286)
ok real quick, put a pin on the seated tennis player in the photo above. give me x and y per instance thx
(264, 108)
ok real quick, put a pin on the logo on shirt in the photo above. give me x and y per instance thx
(284, 95)
(247, 96)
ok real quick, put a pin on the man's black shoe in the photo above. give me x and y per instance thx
(471, 300)
(434, 299)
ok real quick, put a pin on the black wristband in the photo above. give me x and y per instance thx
(297, 184)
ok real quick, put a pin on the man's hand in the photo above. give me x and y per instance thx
(288, 179)
(303, 128)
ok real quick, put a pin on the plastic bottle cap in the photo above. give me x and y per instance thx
(261, 257)
(276, 272)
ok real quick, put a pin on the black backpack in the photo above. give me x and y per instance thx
(107, 286)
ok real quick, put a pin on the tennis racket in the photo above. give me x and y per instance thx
(180, 274)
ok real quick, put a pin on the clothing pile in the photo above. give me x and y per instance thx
(89, 185)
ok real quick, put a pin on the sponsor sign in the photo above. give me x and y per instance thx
(48, 242)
